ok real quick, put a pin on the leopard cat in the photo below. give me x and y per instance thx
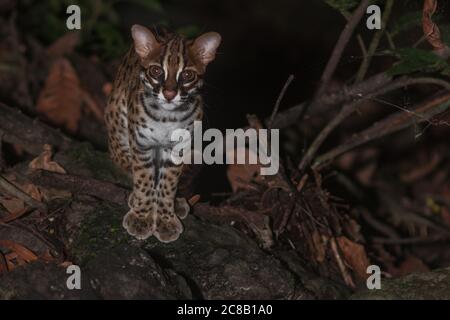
(156, 91)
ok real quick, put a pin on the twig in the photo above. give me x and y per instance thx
(344, 272)
(289, 117)
(378, 225)
(11, 189)
(375, 41)
(280, 97)
(92, 105)
(396, 122)
(347, 15)
(340, 46)
(390, 41)
(351, 107)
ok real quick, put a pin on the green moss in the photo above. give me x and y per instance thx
(97, 163)
(428, 285)
(7, 294)
(101, 230)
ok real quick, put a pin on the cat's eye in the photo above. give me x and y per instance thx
(156, 71)
(187, 75)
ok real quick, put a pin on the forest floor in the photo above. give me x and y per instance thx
(308, 233)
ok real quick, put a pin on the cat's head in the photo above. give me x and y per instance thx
(173, 67)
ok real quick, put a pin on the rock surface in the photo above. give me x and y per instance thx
(420, 286)
(215, 262)
(208, 262)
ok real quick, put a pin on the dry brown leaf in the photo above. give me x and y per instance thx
(319, 246)
(52, 193)
(194, 199)
(19, 250)
(10, 257)
(15, 206)
(92, 106)
(66, 264)
(11, 204)
(107, 88)
(421, 170)
(61, 98)
(44, 161)
(445, 213)
(64, 45)
(33, 191)
(14, 215)
(430, 29)
(366, 173)
(355, 256)
(240, 176)
(3, 263)
(410, 265)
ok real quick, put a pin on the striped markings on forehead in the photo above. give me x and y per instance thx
(173, 59)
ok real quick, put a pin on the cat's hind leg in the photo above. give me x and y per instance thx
(181, 208)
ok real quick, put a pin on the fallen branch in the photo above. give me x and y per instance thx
(14, 191)
(349, 108)
(32, 135)
(290, 116)
(80, 185)
(393, 123)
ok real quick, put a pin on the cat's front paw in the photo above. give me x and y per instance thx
(168, 228)
(181, 207)
(133, 201)
(138, 225)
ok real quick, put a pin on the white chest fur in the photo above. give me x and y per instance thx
(157, 133)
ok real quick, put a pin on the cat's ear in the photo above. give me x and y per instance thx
(205, 46)
(144, 41)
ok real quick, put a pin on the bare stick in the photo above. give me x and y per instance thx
(14, 191)
(80, 185)
(340, 46)
(344, 272)
(289, 117)
(396, 122)
(351, 107)
(280, 97)
(375, 41)
(347, 15)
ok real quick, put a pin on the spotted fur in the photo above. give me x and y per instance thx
(155, 92)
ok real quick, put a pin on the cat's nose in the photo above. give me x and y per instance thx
(169, 94)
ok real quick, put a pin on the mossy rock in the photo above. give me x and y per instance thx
(418, 286)
(83, 159)
(100, 230)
